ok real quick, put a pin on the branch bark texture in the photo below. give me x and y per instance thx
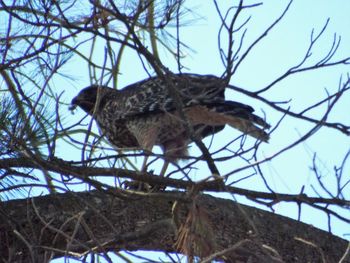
(74, 224)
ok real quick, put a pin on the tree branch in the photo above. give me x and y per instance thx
(76, 223)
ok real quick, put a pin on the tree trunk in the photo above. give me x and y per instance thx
(71, 224)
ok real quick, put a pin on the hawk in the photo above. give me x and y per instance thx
(147, 113)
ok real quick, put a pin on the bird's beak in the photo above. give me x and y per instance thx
(73, 104)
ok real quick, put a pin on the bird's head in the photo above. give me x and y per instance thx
(86, 99)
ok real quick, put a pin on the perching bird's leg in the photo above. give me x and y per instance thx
(146, 136)
(137, 185)
(147, 151)
(164, 168)
(144, 164)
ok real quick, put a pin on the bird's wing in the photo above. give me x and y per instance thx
(202, 98)
(153, 96)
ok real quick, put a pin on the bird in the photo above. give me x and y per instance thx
(151, 112)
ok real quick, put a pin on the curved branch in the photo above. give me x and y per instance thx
(76, 224)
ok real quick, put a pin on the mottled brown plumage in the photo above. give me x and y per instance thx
(144, 114)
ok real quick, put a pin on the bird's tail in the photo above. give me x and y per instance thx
(247, 126)
(237, 115)
(241, 117)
